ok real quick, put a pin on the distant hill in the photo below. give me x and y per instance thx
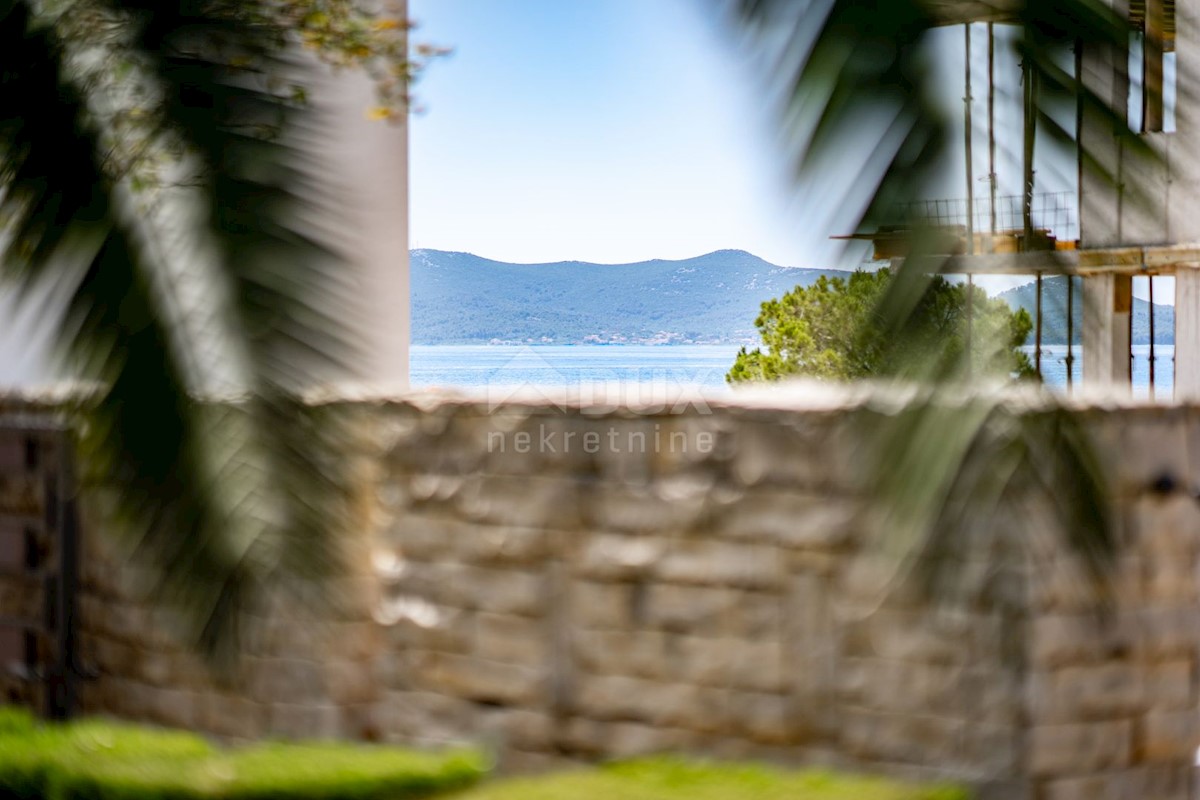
(459, 298)
(1054, 312)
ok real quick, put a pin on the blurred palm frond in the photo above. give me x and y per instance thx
(866, 132)
(198, 315)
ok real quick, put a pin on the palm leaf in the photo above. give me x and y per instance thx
(218, 497)
(861, 113)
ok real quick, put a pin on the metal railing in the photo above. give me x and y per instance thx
(1054, 212)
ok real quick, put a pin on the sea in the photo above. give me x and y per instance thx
(677, 366)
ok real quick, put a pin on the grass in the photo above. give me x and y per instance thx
(673, 779)
(101, 760)
(275, 772)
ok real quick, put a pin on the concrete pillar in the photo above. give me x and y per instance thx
(365, 163)
(1187, 332)
(1107, 305)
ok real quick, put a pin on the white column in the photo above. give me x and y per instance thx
(366, 163)
(1187, 332)
(1107, 304)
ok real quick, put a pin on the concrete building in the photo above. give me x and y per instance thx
(1137, 196)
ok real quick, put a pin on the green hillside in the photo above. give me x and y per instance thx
(459, 298)
(1054, 312)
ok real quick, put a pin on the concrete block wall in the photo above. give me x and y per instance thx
(566, 583)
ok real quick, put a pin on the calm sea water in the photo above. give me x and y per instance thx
(1054, 368)
(474, 366)
(569, 365)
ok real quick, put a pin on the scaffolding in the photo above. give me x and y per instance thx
(1039, 233)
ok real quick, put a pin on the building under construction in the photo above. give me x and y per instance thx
(1135, 208)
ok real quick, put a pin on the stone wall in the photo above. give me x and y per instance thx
(565, 582)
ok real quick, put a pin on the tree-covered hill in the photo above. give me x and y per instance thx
(459, 298)
(1054, 312)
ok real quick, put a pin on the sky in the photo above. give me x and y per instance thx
(595, 130)
(625, 130)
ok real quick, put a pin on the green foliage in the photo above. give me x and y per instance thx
(831, 330)
(34, 757)
(97, 760)
(672, 779)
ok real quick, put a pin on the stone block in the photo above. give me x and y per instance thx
(1152, 443)
(623, 739)
(616, 558)
(1143, 781)
(993, 695)
(761, 717)
(413, 622)
(781, 451)
(908, 635)
(1169, 685)
(703, 610)
(713, 610)
(902, 687)
(1079, 747)
(1171, 582)
(505, 728)
(645, 509)
(512, 639)
(507, 591)
(350, 682)
(611, 697)
(1163, 525)
(231, 716)
(480, 680)
(629, 653)
(791, 519)
(156, 668)
(454, 585)
(413, 716)
(1061, 586)
(991, 751)
(906, 738)
(305, 721)
(704, 660)
(174, 708)
(748, 566)
(1057, 640)
(1170, 736)
(288, 680)
(531, 501)
(505, 545)
(600, 605)
(1098, 691)
(423, 537)
(1164, 633)
(114, 658)
(756, 665)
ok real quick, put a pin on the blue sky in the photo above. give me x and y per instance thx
(624, 130)
(597, 130)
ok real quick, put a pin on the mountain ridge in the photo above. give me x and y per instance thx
(462, 298)
(714, 298)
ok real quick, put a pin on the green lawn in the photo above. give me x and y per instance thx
(673, 779)
(103, 760)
